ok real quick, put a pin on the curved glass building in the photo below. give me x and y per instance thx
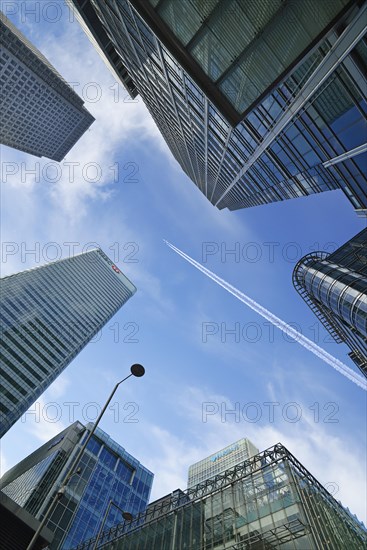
(334, 286)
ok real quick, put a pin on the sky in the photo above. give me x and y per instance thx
(215, 370)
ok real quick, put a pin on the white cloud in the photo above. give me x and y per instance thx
(4, 466)
(58, 387)
(43, 419)
(329, 458)
(95, 154)
(337, 464)
(171, 463)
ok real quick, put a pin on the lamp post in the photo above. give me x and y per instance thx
(135, 370)
(126, 515)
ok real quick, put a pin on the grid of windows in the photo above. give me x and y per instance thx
(262, 159)
(40, 113)
(341, 290)
(268, 501)
(21, 489)
(245, 66)
(334, 286)
(219, 462)
(48, 314)
(108, 472)
(115, 476)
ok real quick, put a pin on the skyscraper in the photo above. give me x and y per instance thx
(334, 286)
(40, 113)
(220, 461)
(258, 101)
(268, 501)
(108, 472)
(48, 315)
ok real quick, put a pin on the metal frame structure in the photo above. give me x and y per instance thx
(308, 489)
(346, 266)
(211, 88)
(279, 149)
(321, 315)
(338, 52)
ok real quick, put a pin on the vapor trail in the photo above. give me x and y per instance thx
(282, 325)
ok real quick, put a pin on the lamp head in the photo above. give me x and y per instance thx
(127, 516)
(61, 492)
(137, 370)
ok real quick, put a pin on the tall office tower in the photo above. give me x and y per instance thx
(268, 501)
(334, 286)
(40, 113)
(222, 460)
(48, 315)
(108, 473)
(257, 101)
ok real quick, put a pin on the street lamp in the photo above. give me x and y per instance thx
(135, 370)
(62, 489)
(126, 515)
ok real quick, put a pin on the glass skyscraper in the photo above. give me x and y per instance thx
(268, 501)
(220, 461)
(40, 113)
(48, 314)
(334, 286)
(108, 472)
(258, 101)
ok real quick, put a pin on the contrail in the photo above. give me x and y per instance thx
(303, 340)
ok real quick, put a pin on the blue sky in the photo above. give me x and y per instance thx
(176, 323)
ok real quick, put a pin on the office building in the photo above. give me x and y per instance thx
(48, 315)
(222, 460)
(108, 472)
(268, 501)
(166, 503)
(334, 286)
(40, 113)
(258, 101)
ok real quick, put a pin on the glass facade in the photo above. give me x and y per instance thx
(220, 461)
(40, 113)
(334, 286)
(48, 314)
(302, 127)
(240, 44)
(108, 473)
(268, 501)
